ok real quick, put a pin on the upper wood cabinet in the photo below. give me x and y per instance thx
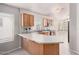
(31, 20)
(47, 22)
(27, 20)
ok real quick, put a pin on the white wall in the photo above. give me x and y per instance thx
(74, 28)
(7, 28)
(61, 25)
(78, 27)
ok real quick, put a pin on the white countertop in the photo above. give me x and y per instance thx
(40, 38)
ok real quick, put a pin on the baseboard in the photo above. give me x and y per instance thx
(10, 51)
(74, 51)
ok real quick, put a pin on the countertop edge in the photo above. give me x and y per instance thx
(39, 42)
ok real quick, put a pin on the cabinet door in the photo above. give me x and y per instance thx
(26, 19)
(45, 22)
(24, 44)
(31, 20)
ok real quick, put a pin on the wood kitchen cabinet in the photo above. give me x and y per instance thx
(31, 20)
(40, 48)
(45, 22)
(24, 43)
(31, 46)
(27, 20)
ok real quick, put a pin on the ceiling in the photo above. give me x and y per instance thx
(59, 10)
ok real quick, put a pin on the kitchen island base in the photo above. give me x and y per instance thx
(40, 48)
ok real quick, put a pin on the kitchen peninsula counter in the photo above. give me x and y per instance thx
(39, 38)
(39, 44)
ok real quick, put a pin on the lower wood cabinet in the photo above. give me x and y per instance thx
(40, 49)
(51, 49)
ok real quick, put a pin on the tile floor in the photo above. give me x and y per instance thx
(18, 52)
(64, 47)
